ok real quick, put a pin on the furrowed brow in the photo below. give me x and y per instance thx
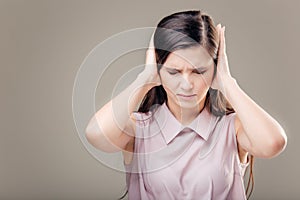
(198, 69)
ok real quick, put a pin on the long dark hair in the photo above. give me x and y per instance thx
(184, 30)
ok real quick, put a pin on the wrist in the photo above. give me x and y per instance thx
(149, 79)
(145, 80)
(229, 83)
(229, 79)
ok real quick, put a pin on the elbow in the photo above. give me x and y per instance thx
(90, 136)
(96, 140)
(276, 146)
(92, 132)
(100, 141)
(93, 136)
(280, 144)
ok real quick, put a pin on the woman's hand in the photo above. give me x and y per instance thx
(150, 72)
(223, 72)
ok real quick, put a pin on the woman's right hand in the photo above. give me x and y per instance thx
(150, 72)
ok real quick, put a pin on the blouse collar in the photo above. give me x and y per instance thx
(203, 124)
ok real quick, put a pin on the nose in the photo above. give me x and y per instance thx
(187, 82)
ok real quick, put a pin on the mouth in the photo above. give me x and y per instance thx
(185, 97)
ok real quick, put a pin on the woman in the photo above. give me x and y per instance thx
(195, 131)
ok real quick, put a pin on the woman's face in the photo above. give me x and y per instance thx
(187, 75)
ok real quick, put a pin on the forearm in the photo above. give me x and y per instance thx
(105, 130)
(262, 130)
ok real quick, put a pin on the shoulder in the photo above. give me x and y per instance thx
(144, 118)
(137, 119)
(228, 119)
(140, 117)
(235, 121)
(232, 120)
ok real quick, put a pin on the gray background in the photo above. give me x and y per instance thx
(43, 44)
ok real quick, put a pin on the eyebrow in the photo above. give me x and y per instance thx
(198, 68)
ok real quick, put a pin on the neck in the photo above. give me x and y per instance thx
(185, 115)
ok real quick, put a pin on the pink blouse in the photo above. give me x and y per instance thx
(196, 161)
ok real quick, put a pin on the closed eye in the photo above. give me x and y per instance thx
(172, 73)
(197, 72)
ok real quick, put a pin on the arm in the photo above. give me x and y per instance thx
(257, 132)
(111, 128)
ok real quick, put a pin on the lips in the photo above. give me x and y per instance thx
(184, 95)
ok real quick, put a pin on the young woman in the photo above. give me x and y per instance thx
(195, 130)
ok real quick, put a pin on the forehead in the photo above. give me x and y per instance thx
(189, 58)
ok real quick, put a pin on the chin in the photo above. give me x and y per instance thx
(184, 104)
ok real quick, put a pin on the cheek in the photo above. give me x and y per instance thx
(203, 81)
(208, 77)
(168, 82)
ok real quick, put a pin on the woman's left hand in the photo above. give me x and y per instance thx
(222, 65)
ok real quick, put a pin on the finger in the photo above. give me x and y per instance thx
(219, 39)
(224, 43)
(218, 29)
(150, 56)
(150, 53)
(151, 44)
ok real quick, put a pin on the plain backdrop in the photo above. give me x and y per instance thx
(44, 42)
